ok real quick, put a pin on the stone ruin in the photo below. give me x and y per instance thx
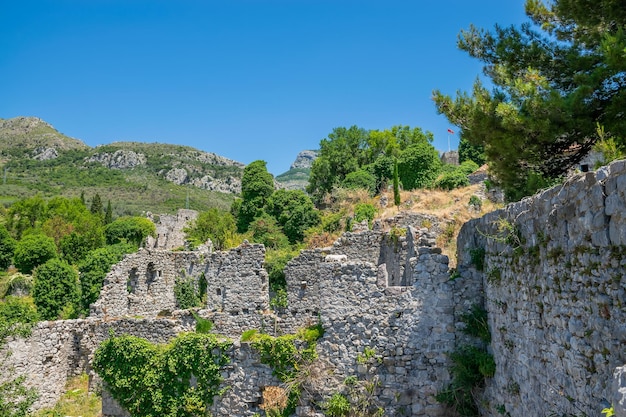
(389, 290)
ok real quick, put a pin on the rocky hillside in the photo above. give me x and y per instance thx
(297, 177)
(134, 176)
(22, 135)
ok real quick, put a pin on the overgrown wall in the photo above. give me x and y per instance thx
(554, 280)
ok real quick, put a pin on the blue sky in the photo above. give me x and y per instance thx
(246, 79)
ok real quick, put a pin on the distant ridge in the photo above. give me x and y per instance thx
(158, 177)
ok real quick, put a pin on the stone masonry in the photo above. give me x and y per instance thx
(549, 270)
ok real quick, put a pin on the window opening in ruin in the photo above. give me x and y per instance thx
(245, 311)
(218, 291)
(132, 281)
(151, 274)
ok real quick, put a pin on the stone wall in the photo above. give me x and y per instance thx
(142, 284)
(169, 229)
(555, 289)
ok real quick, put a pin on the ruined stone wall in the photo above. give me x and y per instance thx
(142, 284)
(57, 350)
(555, 288)
(169, 229)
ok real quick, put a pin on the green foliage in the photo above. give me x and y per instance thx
(7, 248)
(203, 325)
(265, 230)
(56, 290)
(257, 185)
(353, 156)
(294, 211)
(477, 257)
(418, 166)
(187, 293)
(248, 335)
(360, 179)
(93, 269)
(476, 323)
(469, 152)
(96, 205)
(129, 229)
(471, 365)
(452, 180)
(364, 211)
(396, 184)
(279, 300)
(555, 80)
(215, 224)
(475, 202)
(275, 262)
(337, 405)
(32, 251)
(17, 315)
(176, 380)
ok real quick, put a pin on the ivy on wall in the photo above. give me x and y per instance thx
(178, 379)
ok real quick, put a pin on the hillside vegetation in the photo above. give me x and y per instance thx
(136, 177)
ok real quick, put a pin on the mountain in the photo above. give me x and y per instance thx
(297, 177)
(134, 176)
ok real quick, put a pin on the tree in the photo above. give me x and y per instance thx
(108, 214)
(129, 229)
(469, 152)
(294, 212)
(94, 268)
(555, 79)
(96, 205)
(214, 224)
(418, 166)
(257, 185)
(341, 153)
(7, 248)
(266, 230)
(32, 251)
(56, 291)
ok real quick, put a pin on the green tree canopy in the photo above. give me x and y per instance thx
(32, 251)
(356, 157)
(56, 292)
(93, 269)
(7, 247)
(129, 229)
(555, 79)
(215, 224)
(418, 166)
(294, 211)
(257, 185)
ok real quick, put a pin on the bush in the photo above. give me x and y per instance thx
(129, 229)
(418, 166)
(452, 180)
(360, 179)
(364, 211)
(33, 250)
(265, 230)
(56, 290)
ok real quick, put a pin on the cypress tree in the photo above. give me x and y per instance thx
(396, 184)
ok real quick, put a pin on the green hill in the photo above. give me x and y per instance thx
(135, 177)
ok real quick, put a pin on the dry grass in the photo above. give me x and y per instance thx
(451, 207)
(274, 399)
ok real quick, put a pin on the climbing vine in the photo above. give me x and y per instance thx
(178, 379)
(287, 355)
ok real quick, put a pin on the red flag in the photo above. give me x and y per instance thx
(450, 131)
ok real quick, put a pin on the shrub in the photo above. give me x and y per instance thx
(56, 290)
(360, 178)
(32, 251)
(129, 229)
(337, 405)
(452, 180)
(364, 211)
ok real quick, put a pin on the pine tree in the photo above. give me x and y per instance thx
(96, 205)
